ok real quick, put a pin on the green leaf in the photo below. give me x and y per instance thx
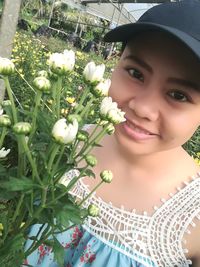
(16, 184)
(68, 213)
(3, 171)
(15, 246)
(89, 173)
(58, 251)
(6, 195)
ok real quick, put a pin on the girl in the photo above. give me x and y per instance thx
(157, 84)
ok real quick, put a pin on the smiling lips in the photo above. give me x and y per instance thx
(137, 132)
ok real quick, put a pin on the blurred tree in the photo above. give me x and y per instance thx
(8, 24)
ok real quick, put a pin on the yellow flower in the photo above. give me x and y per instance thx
(64, 111)
(70, 100)
(197, 161)
(79, 53)
(50, 101)
(198, 154)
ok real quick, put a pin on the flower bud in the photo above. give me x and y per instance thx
(82, 136)
(3, 152)
(6, 103)
(93, 210)
(5, 120)
(71, 117)
(22, 128)
(42, 84)
(6, 66)
(101, 89)
(110, 129)
(106, 176)
(65, 133)
(91, 160)
(42, 73)
(102, 122)
(93, 73)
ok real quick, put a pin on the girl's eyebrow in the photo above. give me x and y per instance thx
(139, 61)
(182, 82)
(192, 85)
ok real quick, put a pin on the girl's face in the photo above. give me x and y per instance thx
(157, 84)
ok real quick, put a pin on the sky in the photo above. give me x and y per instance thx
(137, 9)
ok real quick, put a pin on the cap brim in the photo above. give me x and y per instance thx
(127, 32)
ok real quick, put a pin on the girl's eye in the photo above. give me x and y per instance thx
(136, 74)
(179, 96)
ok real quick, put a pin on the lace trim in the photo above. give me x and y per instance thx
(151, 240)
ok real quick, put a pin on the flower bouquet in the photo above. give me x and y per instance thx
(39, 145)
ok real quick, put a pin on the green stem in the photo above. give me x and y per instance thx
(21, 158)
(54, 151)
(18, 208)
(69, 186)
(96, 139)
(71, 156)
(46, 233)
(29, 156)
(83, 97)
(54, 97)
(58, 95)
(44, 196)
(10, 95)
(3, 135)
(94, 189)
(59, 158)
(87, 144)
(86, 109)
(37, 103)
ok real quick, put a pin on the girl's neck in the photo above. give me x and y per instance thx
(157, 165)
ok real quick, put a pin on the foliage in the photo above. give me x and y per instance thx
(29, 56)
(44, 144)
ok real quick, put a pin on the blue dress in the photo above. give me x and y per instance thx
(82, 249)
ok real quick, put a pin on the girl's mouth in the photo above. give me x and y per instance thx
(136, 132)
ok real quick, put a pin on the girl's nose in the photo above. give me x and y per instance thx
(146, 105)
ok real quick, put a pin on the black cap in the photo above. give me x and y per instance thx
(180, 19)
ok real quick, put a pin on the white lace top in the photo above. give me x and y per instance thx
(155, 240)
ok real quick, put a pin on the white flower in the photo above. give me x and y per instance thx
(106, 105)
(70, 58)
(93, 73)
(110, 111)
(65, 133)
(3, 152)
(6, 66)
(116, 116)
(61, 63)
(101, 89)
